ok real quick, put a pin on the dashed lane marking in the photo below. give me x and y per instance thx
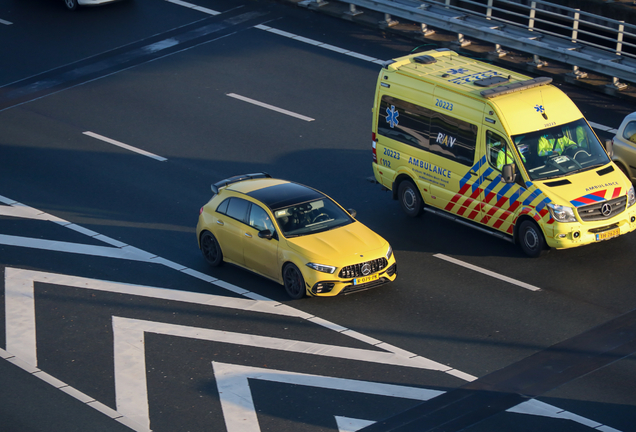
(125, 146)
(488, 272)
(270, 107)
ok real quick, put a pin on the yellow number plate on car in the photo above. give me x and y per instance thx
(366, 279)
(608, 234)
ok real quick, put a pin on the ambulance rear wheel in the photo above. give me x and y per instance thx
(410, 198)
(531, 239)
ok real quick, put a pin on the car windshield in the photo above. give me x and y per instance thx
(311, 217)
(560, 150)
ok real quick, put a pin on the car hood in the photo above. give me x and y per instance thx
(340, 246)
(587, 187)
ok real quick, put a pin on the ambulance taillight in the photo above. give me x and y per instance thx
(373, 143)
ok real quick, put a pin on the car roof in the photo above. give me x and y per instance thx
(277, 194)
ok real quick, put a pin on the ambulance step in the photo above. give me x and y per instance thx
(470, 224)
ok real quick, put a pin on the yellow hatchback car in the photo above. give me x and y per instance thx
(294, 235)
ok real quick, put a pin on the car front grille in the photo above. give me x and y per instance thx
(594, 212)
(354, 271)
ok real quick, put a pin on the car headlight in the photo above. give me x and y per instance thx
(562, 213)
(321, 267)
(389, 253)
(631, 197)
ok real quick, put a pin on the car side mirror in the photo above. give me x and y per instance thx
(508, 173)
(266, 234)
(352, 212)
(609, 148)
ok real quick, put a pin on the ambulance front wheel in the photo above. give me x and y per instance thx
(531, 239)
(410, 198)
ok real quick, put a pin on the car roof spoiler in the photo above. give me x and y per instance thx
(228, 181)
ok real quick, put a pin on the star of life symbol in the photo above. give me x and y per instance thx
(391, 116)
(539, 108)
(457, 71)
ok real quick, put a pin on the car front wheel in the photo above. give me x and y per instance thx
(211, 249)
(294, 281)
(531, 239)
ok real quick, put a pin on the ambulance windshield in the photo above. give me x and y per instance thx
(560, 150)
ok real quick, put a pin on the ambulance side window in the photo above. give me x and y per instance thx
(499, 154)
(453, 138)
(496, 150)
(428, 130)
(405, 122)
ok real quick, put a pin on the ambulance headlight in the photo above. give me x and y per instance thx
(562, 213)
(322, 268)
(631, 197)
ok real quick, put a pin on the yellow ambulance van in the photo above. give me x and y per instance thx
(496, 150)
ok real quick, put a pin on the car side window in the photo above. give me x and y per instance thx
(260, 220)
(237, 209)
(222, 208)
(630, 132)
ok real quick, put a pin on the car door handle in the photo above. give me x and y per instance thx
(248, 235)
(219, 222)
(473, 173)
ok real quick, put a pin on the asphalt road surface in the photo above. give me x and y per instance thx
(115, 120)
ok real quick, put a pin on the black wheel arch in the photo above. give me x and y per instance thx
(396, 184)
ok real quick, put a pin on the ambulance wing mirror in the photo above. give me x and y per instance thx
(609, 148)
(508, 173)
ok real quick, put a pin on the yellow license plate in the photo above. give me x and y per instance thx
(366, 279)
(606, 235)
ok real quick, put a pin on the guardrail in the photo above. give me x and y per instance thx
(542, 29)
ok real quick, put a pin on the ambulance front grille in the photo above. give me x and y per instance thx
(594, 212)
(355, 270)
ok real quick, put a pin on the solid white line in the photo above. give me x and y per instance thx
(488, 272)
(126, 253)
(270, 107)
(71, 391)
(5, 22)
(602, 127)
(126, 146)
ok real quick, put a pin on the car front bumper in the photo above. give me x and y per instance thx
(333, 287)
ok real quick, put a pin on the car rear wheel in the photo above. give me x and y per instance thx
(294, 281)
(211, 249)
(410, 198)
(531, 239)
(71, 4)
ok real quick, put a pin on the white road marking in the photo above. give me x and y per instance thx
(5, 22)
(195, 7)
(603, 128)
(319, 44)
(488, 272)
(60, 385)
(126, 146)
(238, 406)
(130, 358)
(346, 424)
(270, 107)
(20, 312)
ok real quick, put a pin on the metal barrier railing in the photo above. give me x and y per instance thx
(543, 29)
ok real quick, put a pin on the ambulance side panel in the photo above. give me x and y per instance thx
(453, 147)
(402, 134)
